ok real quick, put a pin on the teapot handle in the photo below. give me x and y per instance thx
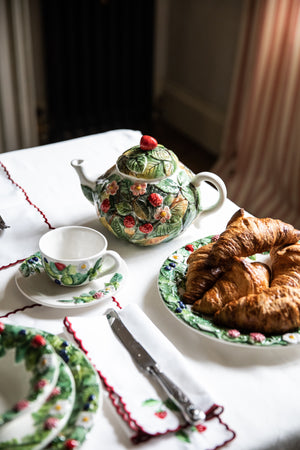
(218, 183)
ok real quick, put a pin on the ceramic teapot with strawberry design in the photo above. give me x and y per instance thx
(148, 196)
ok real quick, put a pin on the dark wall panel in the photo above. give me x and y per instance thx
(99, 64)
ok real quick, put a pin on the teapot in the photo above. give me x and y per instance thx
(148, 196)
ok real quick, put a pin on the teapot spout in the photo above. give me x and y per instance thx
(87, 185)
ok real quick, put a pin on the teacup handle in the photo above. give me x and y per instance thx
(219, 185)
(116, 264)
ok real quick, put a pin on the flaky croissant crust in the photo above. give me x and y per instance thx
(245, 236)
(199, 277)
(241, 279)
(276, 309)
(272, 309)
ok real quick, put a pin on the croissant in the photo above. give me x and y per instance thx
(245, 236)
(199, 276)
(243, 278)
(285, 264)
(200, 254)
(275, 310)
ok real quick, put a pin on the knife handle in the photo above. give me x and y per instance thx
(189, 411)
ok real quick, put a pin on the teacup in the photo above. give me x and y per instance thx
(76, 255)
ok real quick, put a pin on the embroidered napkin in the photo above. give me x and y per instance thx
(140, 402)
(25, 220)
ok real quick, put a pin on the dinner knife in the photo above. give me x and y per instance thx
(189, 410)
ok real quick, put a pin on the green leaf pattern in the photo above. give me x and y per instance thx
(87, 390)
(40, 362)
(69, 276)
(147, 227)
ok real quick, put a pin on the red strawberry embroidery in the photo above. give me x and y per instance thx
(161, 414)
(60, 266)
(2, 326)
(148, 142)
(200, 428)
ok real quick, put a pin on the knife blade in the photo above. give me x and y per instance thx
(144, 360)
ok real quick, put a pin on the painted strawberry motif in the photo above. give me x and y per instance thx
(60, 266)
(22, 404)
(40, 384)
(155, 199)
(105, 205)
(148, 142)
(129, 221)
(38, 341)
(71, 443)
(51, 423)
(189, 248)
(146, 228)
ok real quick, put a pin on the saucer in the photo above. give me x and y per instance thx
(35, 284)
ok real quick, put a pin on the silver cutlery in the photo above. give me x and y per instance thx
(188, 409)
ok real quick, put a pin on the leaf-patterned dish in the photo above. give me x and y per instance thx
(31, 366)
(41, 427)
(88, 396)
(171, 285)
(34, 283)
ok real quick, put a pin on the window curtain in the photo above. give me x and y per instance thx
(260, 155)
(18, 119)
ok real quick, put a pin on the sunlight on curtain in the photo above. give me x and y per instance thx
(260, 159)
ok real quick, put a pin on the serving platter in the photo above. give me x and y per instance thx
(171, 285)
(87, 400)
(34, 283)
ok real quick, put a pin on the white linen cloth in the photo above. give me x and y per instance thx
(34, 199)
(26, 223)
(141, 404)
(259, 388)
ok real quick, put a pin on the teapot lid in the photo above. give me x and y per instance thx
(148, 161)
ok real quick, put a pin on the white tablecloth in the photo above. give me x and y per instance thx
(258, 387)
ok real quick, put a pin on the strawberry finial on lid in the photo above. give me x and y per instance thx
(148, 142)
(148, 160)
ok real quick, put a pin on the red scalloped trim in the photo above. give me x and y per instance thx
(19, 309)
(30, 202)
(115, 398)
(141, 435)
(116, 302)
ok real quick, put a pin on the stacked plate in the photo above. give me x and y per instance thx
(49, 391)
